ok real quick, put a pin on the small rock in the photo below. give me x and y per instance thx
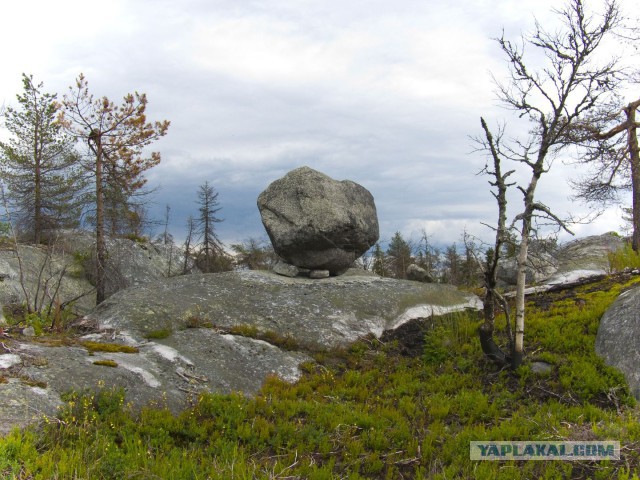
(285, 269)
(319, 274)
(29, 332)
(8, 360)
(418, 274)
(541, 367)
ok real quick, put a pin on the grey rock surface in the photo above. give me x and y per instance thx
(158, 375)
(39, 267)
(198, 353)
(319, 274)
(541, 368)
(130, 264)
(589, 253)
(619, 336)
(324, 313)
(568, 262)
(316, 222)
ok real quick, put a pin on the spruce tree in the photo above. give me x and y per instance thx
(211, 256)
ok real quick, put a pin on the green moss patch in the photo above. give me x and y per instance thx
(93, 347)
(106, 363)
(158, 334)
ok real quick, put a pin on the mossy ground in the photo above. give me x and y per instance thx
(367, 412)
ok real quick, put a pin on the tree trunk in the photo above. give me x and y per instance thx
(101, 249)
(37, 214)
(634, 159)
(518, 346)
(486, 330)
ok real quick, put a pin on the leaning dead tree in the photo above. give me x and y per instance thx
(610, 147)
(567, 87)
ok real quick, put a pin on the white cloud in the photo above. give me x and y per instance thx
(384, 93)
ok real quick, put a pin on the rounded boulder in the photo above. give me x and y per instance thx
(317, 222)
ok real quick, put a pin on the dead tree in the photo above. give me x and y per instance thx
(490, 275)
(610, 146)
(569, 87)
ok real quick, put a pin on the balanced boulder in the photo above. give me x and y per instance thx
(316, 222)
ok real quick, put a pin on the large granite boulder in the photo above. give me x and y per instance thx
(316, 222)
(618, 337)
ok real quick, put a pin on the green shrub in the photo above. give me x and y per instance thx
(623, 258)
(158, 334)
(35, 320)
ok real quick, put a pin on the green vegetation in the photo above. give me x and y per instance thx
(196, 319)
(106, 363)
(158, 334)
(366, 412)
(624, 258)
(35, 320)
(108, 347)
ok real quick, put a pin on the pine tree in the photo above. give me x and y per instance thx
(39, 165)
(116, 136)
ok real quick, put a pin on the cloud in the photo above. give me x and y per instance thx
(383, 93)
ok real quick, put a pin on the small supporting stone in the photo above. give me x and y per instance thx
(319, 274)
(285, 269)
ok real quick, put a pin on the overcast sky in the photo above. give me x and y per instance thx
(383, 93)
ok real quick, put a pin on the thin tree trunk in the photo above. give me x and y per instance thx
(101, 250)
(489, 347)
(634, 158)
(518, 347)
(37, 217)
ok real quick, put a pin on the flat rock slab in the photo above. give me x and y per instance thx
(316, 314)
(157, 375)
(197, 353)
